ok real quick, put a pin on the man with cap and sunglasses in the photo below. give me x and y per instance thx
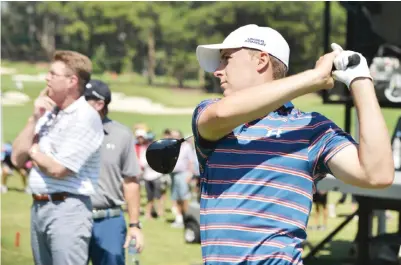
(260, 158)
(118, 184)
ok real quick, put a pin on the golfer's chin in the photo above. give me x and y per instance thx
(226, 91)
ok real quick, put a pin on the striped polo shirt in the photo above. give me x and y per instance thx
(257, 185)
(72, 138)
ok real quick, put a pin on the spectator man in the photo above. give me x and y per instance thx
(165, 182)
(153, 188)
(63, 138)
(118, 184)
(180, 178)
(321, 214)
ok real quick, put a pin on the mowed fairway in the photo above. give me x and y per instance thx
(164, 245)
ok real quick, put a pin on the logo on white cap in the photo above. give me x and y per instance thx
(256, 41)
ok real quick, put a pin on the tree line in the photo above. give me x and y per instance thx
(158, 38)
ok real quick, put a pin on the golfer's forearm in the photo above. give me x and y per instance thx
(132, 198)
(249, 104)
(23, 143)
(375, 152)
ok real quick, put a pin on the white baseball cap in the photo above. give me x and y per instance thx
(140, 133)
(250, 36)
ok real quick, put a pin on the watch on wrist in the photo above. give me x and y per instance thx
(137, 225)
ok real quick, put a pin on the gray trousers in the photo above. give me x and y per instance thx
(61, 231)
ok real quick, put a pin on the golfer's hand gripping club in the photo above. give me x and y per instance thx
(349, 65)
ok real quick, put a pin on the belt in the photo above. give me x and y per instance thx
(61, 196)
(106, 213)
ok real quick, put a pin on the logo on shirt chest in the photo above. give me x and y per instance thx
(110, 146)
(274, 132)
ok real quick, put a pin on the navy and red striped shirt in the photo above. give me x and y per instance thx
(257, 185)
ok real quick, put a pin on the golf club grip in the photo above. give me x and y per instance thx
(353, 60)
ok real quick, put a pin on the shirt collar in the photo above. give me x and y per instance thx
(74, 105)
(288, 105)
(105, 121)
(285, 108)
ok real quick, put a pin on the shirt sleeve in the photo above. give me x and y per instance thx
(203, 147)
(327, 140)
(130, 163)
(84, 139)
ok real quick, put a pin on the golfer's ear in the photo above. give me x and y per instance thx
(101, 105)
(264, 61)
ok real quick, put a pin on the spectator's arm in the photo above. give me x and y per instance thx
(132, 196)
(131, 170)
(84, 139)
(47, 164)
(23, 143)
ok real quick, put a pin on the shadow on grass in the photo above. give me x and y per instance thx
(337, 252)
(16, 189)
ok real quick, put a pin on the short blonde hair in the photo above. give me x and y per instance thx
(140, 126)
(80, 64)
(279, 68)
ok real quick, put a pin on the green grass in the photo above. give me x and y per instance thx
(171, 97)
(164, 245)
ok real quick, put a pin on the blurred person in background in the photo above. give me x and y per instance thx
(118, 185)
(140, 131)
(195, 168)
(180, 178)
(141, 143)
(8, 168)
(165, 182)
(321, 214)
(62, 137)
(141, 125)
(166, 133)
(152, 183)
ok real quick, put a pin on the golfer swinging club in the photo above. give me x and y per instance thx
(260, 157)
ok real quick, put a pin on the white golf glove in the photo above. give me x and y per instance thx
(346, 74)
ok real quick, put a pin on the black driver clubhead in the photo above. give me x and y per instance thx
(162, 154)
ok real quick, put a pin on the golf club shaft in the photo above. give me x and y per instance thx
(353, 60)
(186, 138)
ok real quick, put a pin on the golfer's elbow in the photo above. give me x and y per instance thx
(380, 178)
